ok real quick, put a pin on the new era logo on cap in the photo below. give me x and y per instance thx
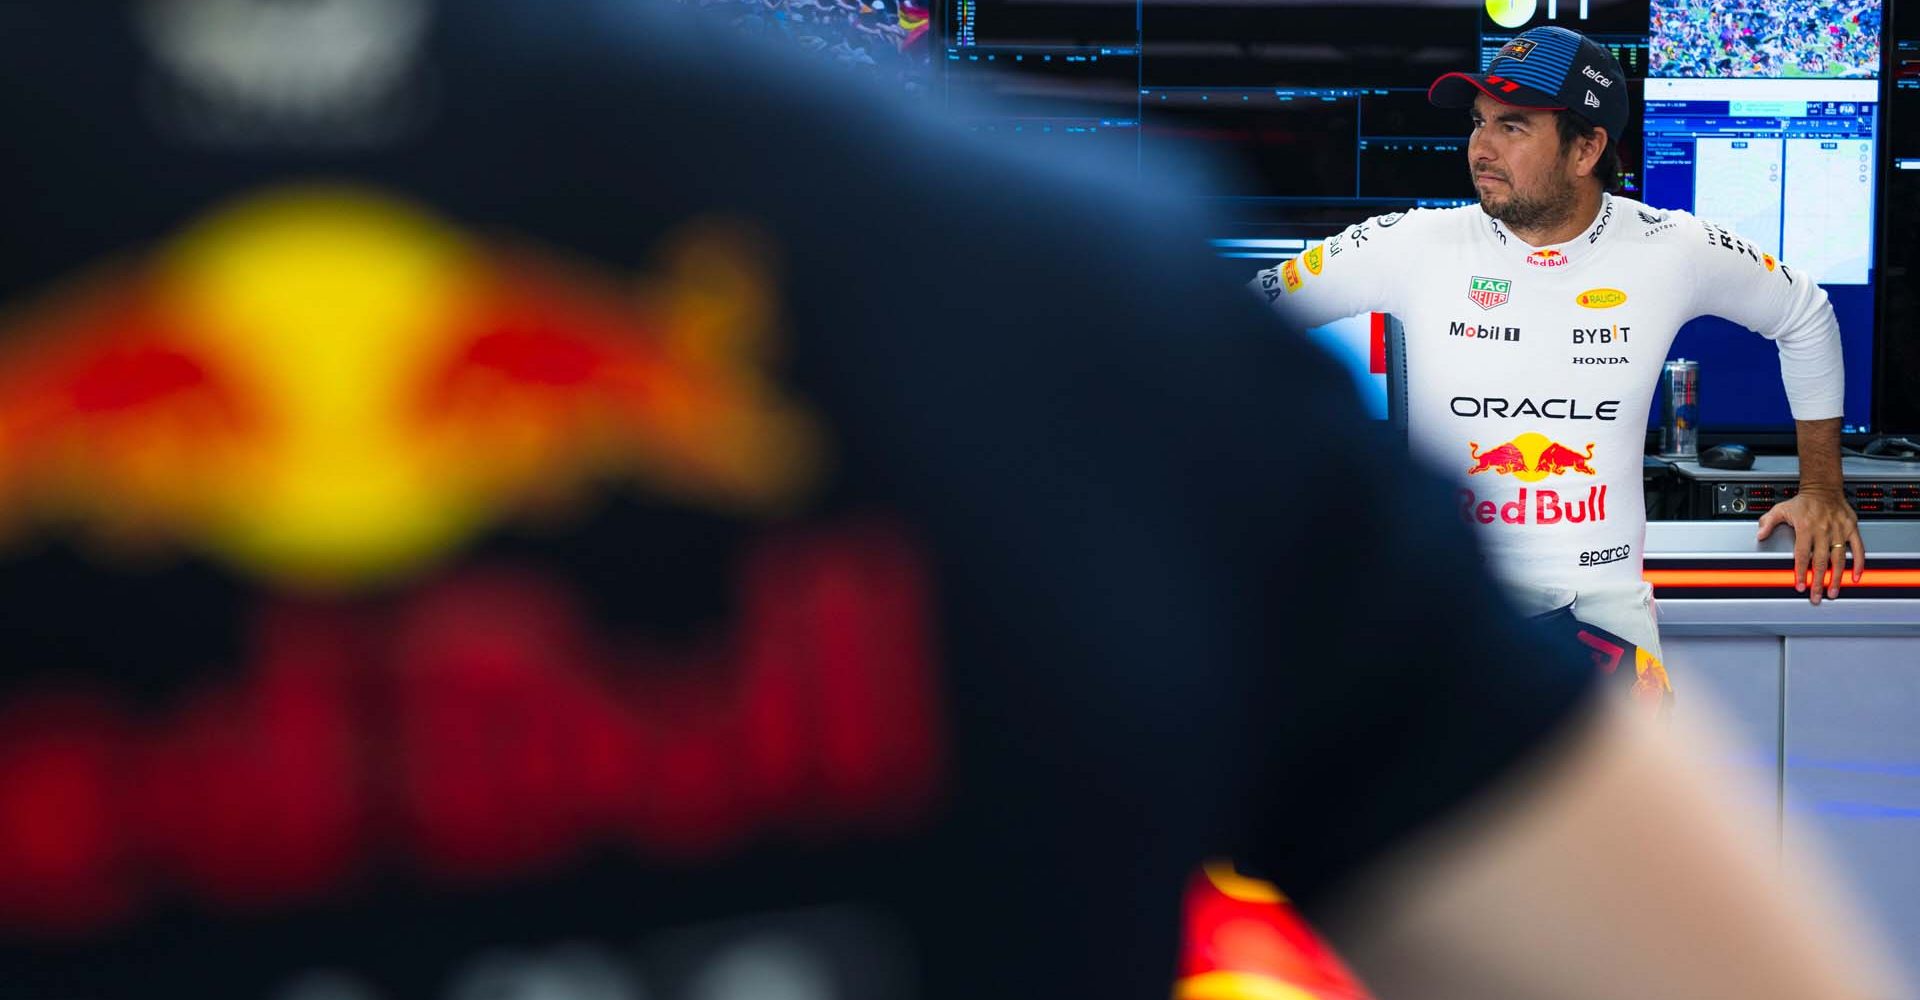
(1592, 101)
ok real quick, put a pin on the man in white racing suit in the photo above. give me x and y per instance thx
(1536, 326)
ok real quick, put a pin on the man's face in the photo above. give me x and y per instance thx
(1523, 176)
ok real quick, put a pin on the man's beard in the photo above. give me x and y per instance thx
(1543, 211)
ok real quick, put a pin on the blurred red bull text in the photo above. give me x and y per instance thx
(482, 730)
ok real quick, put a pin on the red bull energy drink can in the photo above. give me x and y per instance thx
(1680, 409)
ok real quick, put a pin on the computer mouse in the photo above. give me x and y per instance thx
(1896, 448)
(1727, 456)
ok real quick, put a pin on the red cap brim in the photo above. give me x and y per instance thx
(1456, 90)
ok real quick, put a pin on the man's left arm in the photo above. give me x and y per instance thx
(1824, 524)
(1750, 286)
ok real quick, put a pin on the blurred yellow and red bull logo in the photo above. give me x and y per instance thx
(327, 387)
(333, 394)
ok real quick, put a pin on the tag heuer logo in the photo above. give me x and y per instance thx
(1488, 292)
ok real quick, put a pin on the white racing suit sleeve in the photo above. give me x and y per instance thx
(1347, 275)
(1740, 282)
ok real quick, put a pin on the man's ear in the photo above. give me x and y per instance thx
(1590, 147)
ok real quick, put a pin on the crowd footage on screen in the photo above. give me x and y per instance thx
(1765, 38)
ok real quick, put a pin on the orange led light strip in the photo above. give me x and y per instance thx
(1773, 578)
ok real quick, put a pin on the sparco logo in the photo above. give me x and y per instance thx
(1601, 557)
(1548, 409)
(1473, 332)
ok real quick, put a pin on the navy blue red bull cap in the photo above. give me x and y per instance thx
(1546, 69)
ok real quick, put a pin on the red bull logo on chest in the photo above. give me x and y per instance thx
(1533, 458)
(1547, 507)
(1530, 458)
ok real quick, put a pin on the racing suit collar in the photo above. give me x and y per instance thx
(1554, 255)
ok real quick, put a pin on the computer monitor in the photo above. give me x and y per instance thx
(1756, 114)
(1764, 116)
(1307, 118)
(1898, 368)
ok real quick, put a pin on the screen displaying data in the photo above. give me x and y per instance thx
(1763, 116)
(1899, 362)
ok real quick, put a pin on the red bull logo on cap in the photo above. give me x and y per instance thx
(1547, 258)
(1518, 49)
